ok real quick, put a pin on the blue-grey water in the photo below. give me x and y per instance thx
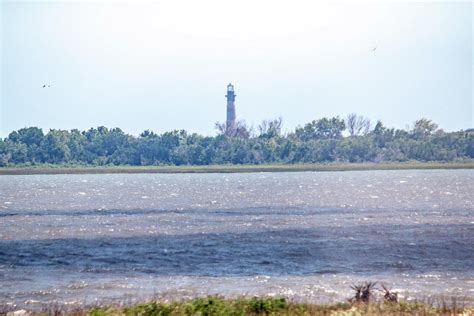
(79, 239)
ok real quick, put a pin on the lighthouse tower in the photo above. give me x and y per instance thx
(230, 123)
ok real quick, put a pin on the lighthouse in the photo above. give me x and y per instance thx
(230, 123)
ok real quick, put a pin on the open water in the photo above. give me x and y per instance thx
(83, 239)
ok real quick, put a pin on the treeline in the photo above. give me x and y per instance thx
(325, 140)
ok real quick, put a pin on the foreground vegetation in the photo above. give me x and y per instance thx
(327, 140)
(364, 301)
(215, 305)
(271, 306)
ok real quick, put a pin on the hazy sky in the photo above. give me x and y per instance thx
(164, 65)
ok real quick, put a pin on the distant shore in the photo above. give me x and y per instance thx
(61, 169)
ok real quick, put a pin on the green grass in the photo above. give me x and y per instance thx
(216, 305)
(78, 169)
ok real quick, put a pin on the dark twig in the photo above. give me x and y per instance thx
(389, 296)
(363, 293)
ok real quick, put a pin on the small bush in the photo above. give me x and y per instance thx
(266, 305)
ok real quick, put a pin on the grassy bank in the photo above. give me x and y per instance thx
(60, 169)
(214, 305)
(273, 306)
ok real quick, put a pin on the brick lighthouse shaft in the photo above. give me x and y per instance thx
(230, 123)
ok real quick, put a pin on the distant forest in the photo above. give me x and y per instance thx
(352, 139)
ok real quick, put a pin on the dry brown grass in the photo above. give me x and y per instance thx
(78, 169)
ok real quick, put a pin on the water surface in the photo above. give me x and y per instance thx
(75, 239)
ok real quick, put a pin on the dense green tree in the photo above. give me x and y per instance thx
(5, 154)
(382, 135)
(468, 139)
(94, 149)
(32, 138)
(423, 128)
(55, 146)
(113, 140)
(28, 135)
(321, 129)
(16, 153)
(75, 142)
(317, 141)
(148, 134)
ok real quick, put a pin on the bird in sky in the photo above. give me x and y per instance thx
(374, 49)
(44, 86)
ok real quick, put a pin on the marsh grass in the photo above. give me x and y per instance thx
(217, 305)
(337, 166)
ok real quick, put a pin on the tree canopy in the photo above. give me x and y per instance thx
(320, 140)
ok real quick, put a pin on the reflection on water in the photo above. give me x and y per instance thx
(308, 236)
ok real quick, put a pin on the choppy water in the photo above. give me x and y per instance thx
(75, 239)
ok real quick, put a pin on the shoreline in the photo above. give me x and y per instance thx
(318, 167)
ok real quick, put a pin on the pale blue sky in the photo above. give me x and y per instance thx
(164, 65)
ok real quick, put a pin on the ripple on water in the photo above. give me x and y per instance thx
(303, 235)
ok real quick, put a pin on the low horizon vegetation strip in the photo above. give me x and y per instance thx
(80, 169)
(327, 140)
